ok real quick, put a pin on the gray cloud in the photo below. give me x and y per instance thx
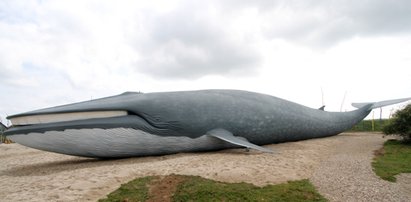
(195, 40)
(189, 43)
(324, 23)
(381, 17)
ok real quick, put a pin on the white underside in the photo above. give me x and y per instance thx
(117, 142)
(52, 118)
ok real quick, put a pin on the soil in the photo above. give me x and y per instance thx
(163, 188)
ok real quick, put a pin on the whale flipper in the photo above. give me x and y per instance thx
(229, 137)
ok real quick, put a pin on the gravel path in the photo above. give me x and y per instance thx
(347, 174)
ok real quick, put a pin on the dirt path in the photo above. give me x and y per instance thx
(31, 175)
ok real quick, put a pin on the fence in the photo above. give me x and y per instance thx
(370, 125)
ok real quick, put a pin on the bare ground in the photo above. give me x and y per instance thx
(32, 175)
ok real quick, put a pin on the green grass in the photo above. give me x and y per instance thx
(366, 125)
(193, 188)
(200, 189)
(395, 158)
(133, 191)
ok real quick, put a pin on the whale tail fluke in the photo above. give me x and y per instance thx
(373, 105)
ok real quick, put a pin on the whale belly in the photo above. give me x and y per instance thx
(115, 142)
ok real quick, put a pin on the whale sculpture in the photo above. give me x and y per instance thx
(136, 124)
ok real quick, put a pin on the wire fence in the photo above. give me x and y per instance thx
(370, 125)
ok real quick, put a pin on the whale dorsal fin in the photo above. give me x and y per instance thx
(229, 137)
(322, 108)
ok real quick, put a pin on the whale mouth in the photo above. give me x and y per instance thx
(59, 121)
(63, 117)
(78, 120)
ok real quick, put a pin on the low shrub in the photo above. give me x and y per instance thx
(400, 124)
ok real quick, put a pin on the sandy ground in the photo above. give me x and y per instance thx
(32, 175)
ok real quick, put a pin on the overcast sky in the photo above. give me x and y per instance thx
(58, 52)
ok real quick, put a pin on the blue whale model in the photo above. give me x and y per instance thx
(136, 124)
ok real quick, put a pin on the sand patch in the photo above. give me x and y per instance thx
(32, 175)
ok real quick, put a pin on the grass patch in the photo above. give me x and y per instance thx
(133, 191)
(200, 189)
(193, 188)
(393, 159)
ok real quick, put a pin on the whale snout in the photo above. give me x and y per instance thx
(88, 114)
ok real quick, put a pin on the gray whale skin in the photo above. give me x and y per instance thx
(137, 124)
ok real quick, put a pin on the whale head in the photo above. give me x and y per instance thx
(118, 126)
(127, 110)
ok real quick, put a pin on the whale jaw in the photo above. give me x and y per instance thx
(115, 142)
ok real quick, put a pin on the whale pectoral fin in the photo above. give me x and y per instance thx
(229, 137)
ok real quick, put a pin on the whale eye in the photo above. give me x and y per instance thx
(60, 117)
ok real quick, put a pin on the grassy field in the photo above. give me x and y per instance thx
(193, 188)
(366, 126)
(394, 158)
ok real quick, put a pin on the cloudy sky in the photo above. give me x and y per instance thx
(58, 52)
